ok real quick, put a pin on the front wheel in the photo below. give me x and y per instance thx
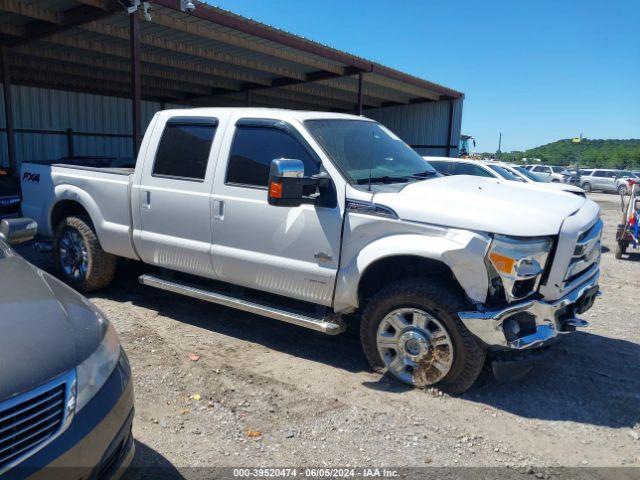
(622, 189)
(411, 329)
(586, 186)
(79, 257)
(621, 249)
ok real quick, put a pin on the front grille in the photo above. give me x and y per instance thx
(586, 254)
(30, 420)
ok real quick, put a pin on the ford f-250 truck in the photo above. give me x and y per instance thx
(308, 217)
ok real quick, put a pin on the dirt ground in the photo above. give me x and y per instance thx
(262, 393)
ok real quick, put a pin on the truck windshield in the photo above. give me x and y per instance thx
(365, 150)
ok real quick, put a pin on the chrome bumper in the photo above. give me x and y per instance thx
(549, 322)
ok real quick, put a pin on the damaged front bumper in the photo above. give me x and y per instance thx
(532, 323)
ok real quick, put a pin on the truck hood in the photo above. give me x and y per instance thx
(483, 204)
(46, 327)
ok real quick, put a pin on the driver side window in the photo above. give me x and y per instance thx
(253, 149)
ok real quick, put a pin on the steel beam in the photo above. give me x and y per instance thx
(136, 91)
(101, 76)
(49, 22)
(360, 97)
(450, 129)
(212, 14)
(8, 109)
(195, 50)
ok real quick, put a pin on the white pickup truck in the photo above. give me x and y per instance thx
(308, 217)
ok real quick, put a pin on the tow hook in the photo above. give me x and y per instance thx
(570, 325)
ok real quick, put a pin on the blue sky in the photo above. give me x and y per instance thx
(535, 71)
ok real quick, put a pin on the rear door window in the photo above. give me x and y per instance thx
(184, 148)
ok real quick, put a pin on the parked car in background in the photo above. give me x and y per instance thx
(319, 215)
(606, 180)
(9, 195)
(499, 170)
(66, 395)
(549, 173)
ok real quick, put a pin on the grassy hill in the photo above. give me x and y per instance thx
(596, 153)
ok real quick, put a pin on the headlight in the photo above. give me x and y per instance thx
(519, 263)
(95, 370)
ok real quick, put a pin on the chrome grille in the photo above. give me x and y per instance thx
(586, 254)
(31, 420)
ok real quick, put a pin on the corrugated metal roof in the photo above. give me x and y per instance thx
(181, 53)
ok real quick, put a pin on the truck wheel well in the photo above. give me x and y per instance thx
(387, 270)
(64, 209)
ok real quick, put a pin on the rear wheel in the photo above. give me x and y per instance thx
(79, 256)
(621, 249)
(411, 330)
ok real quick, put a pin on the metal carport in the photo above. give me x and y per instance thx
(207, 57)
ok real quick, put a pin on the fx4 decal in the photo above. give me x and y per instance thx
(31, 177)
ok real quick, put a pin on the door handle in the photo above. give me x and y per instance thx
(218, 209)
(146, 202)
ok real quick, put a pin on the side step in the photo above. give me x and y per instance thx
(324, 325)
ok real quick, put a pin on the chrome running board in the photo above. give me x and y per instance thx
(327, 325)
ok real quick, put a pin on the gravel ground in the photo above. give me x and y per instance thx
(260, 393)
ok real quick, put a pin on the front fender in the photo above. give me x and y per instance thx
(462, 251)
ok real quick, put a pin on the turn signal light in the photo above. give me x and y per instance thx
(502, 263)
(275, 190)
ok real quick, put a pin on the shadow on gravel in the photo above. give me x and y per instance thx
(587, 379)
(341, 351)
(631, 256)
(148, 463)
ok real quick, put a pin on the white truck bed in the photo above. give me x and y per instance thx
(105, 192)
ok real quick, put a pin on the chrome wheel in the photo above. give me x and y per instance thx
(74, 258)
(415, 346)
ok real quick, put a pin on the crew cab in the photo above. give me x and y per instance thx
(308, 217)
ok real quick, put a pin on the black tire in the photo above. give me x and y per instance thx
(555, 180)
(101, 266)
(444, 304)
(586, 186)
(622, 190)
(621, 248)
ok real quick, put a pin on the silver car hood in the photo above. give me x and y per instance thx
(46, 328)
(484, 205)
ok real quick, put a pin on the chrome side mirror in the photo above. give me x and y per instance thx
(286, 182)
(18, 230)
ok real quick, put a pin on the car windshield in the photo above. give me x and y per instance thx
(504, 173)
(625, 173)
(365, 150)
(526, 173)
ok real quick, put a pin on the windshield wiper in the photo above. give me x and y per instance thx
(426, 173)
(383, 179)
